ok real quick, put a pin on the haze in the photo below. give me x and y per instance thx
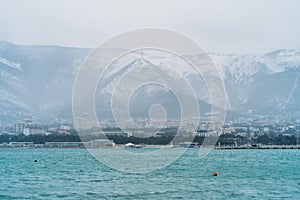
(233, 26)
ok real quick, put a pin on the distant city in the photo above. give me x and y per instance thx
(240, 133)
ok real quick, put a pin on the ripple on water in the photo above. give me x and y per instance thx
(62, 174)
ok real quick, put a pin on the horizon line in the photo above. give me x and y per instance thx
(91, 48)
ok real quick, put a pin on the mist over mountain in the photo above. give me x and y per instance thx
(37, 82)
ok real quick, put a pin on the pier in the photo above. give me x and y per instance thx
(260, 147)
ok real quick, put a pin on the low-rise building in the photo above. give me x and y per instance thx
(102, 143)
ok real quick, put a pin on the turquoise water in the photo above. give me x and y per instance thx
(75, 174)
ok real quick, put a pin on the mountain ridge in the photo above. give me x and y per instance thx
(37, 81)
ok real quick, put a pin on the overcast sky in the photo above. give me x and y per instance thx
(223, 26)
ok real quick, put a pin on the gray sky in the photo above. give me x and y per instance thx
(223, 26)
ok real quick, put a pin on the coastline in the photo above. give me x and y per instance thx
(155, 147)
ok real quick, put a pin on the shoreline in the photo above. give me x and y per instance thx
(158, 147)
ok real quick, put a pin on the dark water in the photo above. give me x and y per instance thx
(75, 174)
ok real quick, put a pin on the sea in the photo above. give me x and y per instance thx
(76, 174)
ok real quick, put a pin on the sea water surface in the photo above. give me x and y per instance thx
(75, 174)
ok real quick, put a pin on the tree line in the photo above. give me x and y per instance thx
(225, 139)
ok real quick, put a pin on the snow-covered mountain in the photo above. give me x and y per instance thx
(37, 81)
(262, 84)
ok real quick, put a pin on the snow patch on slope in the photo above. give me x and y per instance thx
(11, 64)
(245, 66)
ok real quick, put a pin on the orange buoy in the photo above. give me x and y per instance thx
(215, 173)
